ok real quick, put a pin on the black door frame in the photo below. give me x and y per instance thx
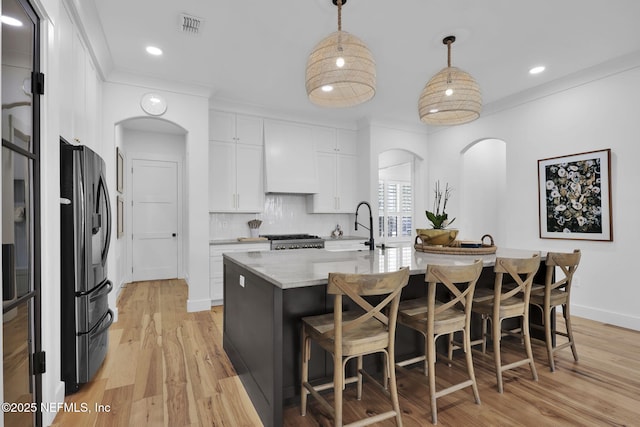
(37, 88)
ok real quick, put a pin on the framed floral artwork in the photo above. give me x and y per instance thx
(575, 196)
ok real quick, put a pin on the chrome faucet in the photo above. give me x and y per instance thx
(370, 243)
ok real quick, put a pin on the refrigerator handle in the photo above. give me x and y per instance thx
(103, 187)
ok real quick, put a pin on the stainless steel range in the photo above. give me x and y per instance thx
(294, 241)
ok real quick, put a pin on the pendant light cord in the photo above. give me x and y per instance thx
(448, 51)
(339, 15)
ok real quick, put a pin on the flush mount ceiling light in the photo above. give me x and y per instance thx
(341, 71)
(152, 50)
(451, 97)
(537, 70)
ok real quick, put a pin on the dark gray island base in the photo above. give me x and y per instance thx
(267, 293)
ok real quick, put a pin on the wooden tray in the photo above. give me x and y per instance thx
(457, 249)
(454, 250)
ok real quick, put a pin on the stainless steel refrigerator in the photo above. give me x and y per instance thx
(85, 215)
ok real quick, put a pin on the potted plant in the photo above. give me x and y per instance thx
(439, 217)
(439, 220)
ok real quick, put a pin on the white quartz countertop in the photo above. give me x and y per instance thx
(310, 267)
(250, 242)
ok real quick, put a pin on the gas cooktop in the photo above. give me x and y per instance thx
(294, 241)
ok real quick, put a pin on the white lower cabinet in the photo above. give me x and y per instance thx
(216, 271)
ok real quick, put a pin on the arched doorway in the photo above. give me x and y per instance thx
(396, 195)
(153, 221)
(484, 173)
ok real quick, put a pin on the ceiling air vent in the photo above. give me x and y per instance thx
(190, 24)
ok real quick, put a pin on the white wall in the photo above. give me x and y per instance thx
(122, 102)
(483, 184)
(600, 114)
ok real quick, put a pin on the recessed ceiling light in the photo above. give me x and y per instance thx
(152, 50)
(537, 70)
(10, 21)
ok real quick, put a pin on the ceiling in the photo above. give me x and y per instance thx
(254, 52)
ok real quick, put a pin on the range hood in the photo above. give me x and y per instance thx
(290, 163)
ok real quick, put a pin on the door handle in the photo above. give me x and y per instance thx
(174, 234)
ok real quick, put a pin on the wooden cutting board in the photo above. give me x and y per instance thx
(252, 239)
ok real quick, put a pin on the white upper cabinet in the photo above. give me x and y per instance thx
(79, 84)
(230, 127)
(289, 158)
(336, 161)
(347, 142)
(236, 169)
(65, 33)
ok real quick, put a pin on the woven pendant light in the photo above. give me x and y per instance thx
(341, 71)
(451, 97)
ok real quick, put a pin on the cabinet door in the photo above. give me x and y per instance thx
(347, 142)
(222, 126)
(216, 269)
(249, 130)
(222, 176)
(289, 158)
(324, 201)
(324, 139)
(249, 178)
(79, 64)
(91, 104)
(65, 42)
(347, 185)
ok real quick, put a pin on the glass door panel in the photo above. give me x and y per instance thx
(20, 214)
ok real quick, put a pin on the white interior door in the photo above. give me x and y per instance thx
(154, 220)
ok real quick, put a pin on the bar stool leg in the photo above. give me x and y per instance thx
(470, 371)
(496, 336)
(527, 343)
(338, 386)
(394, 387)
(567, 320)
(305, 348)
(484, 334)
(431, 359)
(359, 373)
(548, 338)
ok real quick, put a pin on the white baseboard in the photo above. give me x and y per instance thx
(216, 302)
(48, 417)
(198, 305)
(622, 320)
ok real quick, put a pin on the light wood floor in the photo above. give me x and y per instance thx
(166, 367)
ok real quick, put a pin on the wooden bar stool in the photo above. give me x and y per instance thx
(553, 294)
(508, 302)
(353, 334)
(434, 318)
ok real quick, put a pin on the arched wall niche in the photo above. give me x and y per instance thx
(483, 190)
(401, 164)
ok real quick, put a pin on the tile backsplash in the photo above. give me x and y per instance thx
(283, 214)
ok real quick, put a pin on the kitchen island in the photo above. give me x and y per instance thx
(267, 293)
